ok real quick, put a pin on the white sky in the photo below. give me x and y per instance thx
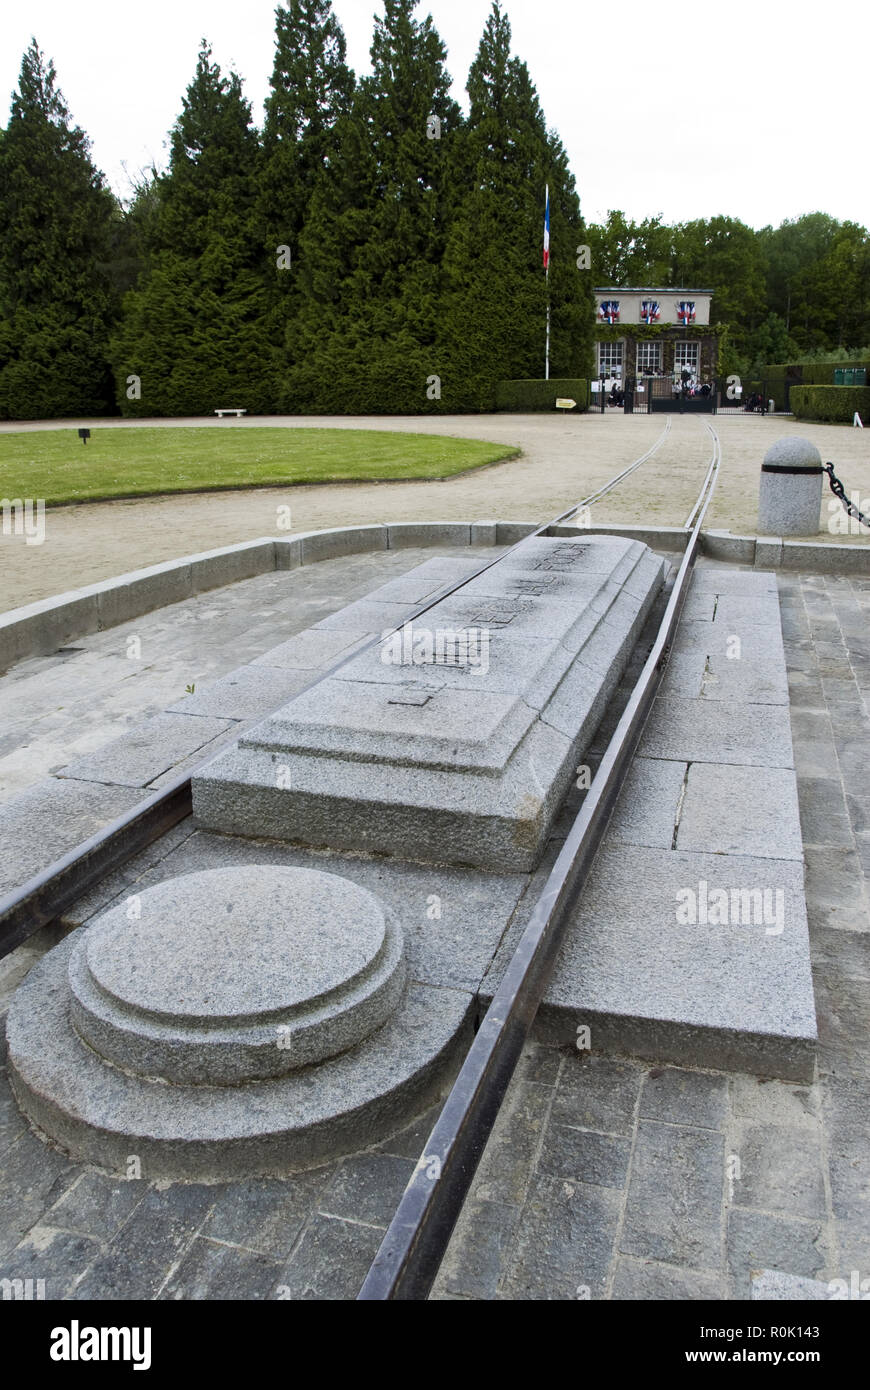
(751, 108)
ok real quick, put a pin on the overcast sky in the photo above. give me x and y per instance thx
(752, 108)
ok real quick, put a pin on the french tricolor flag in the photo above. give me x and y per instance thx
(547, 232)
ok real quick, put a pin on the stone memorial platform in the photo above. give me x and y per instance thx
(456, 741)
(246, 1018)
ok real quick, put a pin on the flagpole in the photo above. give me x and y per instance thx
(547, 358)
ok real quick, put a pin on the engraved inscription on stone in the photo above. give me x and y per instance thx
(380, 766)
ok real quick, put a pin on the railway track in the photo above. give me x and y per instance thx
(414, 1245)
(44, 897)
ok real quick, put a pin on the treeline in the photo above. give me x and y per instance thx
(797, 292)
(370, 249)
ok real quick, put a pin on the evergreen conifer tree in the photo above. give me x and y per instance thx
(495, 308)
(366, 333)
(193, 327)
(57, 224)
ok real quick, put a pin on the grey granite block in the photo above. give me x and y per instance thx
(759, 1240)
(721, 545)
(42, 627)
(104, 1115)
(583, 1156)
(780, 1169)
(679, 1097)
(393, 758)
(119, 600)
(706, 731)
(188, 1008)
(265, 1214)
(484, 533)
(217, 1272)
(160, 1230)
(768, 550)
(771, 1285)
(342, 540)
(741, 810)
(152, 747)
(674, 1204)
(330, 1262)
(367, 1188)
(247, 693)
(50, 818)
(564, 1242)
(230, 563)
(310, 651)
(479, 1251)
(57, 1258)
(720, 579)
(406, 533)
(651, 1281)
(646, 812)
(650, 982)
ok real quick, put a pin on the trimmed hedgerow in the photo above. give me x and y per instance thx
(836, 403)
(541, 395)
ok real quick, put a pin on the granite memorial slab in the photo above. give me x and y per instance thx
(463, 755)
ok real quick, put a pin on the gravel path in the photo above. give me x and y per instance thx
(564, 459)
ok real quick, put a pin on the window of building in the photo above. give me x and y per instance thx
(610, 357)
(649, 358)
(687, 355)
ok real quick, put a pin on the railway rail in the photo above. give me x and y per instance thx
(414, 1245)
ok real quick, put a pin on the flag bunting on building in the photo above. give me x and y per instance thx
(650, 311)
(547, 232)
(609, 311)
(686, 311)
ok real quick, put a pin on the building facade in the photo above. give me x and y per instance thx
(655, 332)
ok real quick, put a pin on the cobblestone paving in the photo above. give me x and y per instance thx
(605, 1176)
(610, 1178)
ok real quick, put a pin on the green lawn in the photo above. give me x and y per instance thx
(56, 466)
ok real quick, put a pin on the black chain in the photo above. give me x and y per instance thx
(839, 491)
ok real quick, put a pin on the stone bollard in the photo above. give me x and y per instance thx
(790, 495)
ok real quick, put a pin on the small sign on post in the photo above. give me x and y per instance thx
(857, 423)
(563, 403)
(84, 436)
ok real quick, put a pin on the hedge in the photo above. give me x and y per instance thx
(810, 373)
(837, 403)
(541, 395)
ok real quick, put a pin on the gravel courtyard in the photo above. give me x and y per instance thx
(564, 459)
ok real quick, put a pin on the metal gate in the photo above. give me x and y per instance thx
(735, 396)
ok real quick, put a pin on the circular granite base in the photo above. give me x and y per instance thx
(236, 974)
(139, 991)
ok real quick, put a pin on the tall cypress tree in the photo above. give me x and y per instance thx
(378, 220)
(57, 224)
(193, 328)
(311, 90)
(495, 307)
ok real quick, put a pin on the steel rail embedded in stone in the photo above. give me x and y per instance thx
(48, 894)
(409, 1257)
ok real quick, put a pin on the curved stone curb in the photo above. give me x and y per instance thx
(38, 629)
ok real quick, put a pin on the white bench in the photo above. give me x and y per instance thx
(238, 413)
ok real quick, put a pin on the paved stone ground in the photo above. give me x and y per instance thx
(564, 459)
(603, 1174)
(57, 708)
(610, 1178)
